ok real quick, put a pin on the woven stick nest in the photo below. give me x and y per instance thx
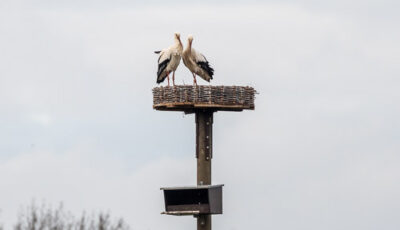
(218, 97)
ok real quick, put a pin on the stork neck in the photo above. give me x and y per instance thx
(189, 46)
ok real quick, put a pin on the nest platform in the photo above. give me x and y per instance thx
(188, 98)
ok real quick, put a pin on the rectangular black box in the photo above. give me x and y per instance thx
(202, 199)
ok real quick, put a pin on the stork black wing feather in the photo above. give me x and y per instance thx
(161, 68)
(206, 67)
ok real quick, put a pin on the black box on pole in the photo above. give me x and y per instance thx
(196, 200)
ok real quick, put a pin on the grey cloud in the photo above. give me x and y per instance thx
(319, 151)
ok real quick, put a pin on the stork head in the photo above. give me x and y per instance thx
(190, 39)
(177, 38)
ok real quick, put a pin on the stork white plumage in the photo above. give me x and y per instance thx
(169, 60)
(196, 62)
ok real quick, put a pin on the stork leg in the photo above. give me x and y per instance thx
(168, 77)
(173, 78)
(194, 79)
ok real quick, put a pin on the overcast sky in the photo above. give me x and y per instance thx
(321, 150)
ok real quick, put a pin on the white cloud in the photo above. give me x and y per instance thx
(42, 118)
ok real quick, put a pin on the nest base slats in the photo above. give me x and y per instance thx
(186, 98)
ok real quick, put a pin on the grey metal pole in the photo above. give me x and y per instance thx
(204, 121)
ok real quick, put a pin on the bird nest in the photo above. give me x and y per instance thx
(187, 97)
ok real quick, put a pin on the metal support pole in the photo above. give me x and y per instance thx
(204, 121)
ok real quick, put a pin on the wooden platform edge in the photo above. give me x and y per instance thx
(185, 106)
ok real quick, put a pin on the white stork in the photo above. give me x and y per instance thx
(196, 62)
(169, 60)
